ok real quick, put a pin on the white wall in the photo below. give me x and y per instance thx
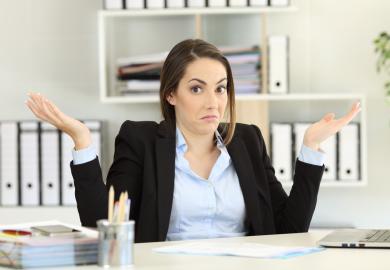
(51, 46)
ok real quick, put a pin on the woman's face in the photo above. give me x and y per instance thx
(201, 97)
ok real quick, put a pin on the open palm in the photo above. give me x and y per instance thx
(47, 111)
(327, 127)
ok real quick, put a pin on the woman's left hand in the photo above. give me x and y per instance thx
(328, 126)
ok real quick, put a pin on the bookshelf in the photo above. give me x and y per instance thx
(251, 108)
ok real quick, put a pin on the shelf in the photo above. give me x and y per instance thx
(326, 184)
(265, 97)
(195, 11)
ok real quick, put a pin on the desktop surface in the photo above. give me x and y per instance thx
(331, 258)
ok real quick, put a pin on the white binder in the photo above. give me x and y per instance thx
(9, 188)
(95, 128)
(238, 3)
(217, 3)
(155, 4)
(330, 148)
(29, 163)
(196, 3)
(175, 4)
(281, 151)
(67, 185)
(349, 152)
(299, 133)
(50, 161)
(113, 4)
(134, 4)
(279, 3)
(258, 3)
(278, 64)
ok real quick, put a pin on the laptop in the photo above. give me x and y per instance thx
(357, 238)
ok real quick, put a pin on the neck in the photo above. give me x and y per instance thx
(198, 144)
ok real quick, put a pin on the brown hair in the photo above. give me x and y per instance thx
(181, 55)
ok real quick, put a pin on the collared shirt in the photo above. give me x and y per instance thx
(206, 208)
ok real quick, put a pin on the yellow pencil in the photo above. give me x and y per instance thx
(110, 204)
(121, 207)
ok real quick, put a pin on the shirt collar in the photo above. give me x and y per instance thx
(181, 142)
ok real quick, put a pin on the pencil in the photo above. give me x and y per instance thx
(110, 204)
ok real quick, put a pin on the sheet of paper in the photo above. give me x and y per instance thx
(253, 250)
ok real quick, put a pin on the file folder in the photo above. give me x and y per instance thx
(349, 154)
(113, 4)
(330, 148)
(278, 64)
(134, 4)
(258, 3)
(9, 188)
(238, 3)
(50, 165)
(279, 3)
(95, 128)
(196, 3)
(175, 3)
(67, 184)
(217, 3)
(281, 151)
(155, 4)
(29, 163)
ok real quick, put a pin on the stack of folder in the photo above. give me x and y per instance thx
(140, 74)
(44, 251)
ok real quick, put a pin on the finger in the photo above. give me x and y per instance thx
(35, 111)
(349, 116)
(53, 114)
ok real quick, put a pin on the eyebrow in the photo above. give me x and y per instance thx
(203, 82)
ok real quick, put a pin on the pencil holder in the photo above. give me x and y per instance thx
(116, 242)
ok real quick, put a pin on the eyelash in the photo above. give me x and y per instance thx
(219, 87)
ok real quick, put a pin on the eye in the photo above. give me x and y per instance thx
(196, 89)
(221, 89)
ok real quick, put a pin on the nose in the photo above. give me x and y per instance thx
(211, 99)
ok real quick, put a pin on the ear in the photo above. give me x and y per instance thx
(171, 99)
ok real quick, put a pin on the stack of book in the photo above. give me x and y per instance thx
(27, 251)
(140, 74)
(245, 64)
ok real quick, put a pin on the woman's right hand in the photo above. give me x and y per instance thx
(47, 111)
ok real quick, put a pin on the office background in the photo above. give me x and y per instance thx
(51, 46)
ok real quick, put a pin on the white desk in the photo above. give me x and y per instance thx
(354, 259)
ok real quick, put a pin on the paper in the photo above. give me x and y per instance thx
(252, 250)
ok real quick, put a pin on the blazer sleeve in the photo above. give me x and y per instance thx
(292, 213)
(124, 174)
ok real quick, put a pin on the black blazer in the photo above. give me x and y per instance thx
(144, 166)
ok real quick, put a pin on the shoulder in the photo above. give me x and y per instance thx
(138, 130)
(246, 131)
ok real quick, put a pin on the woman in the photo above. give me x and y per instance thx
(191, 176)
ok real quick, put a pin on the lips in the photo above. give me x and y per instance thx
(209, 117)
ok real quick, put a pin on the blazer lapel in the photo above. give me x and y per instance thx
(245, 172)
(165, 161)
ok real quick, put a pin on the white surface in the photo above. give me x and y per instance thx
(357, 259)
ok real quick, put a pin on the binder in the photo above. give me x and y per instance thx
(50, 165)
(217, 3)
(175, 3)
(330, 148)
(155, 4)
(9, 188)
(29, 163)
(196, 3)
(113, 4)
(95, 127)
(134, 4)
(258, 3)
(349, 154)
(67, 185)
(278, 64)
(299, 133)
(281, 151)
(238, 3)
(279, 3)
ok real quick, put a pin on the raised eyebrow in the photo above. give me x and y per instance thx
(203, 82)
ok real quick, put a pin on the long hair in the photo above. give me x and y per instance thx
(181, 55)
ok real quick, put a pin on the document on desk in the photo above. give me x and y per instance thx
(252, 250)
